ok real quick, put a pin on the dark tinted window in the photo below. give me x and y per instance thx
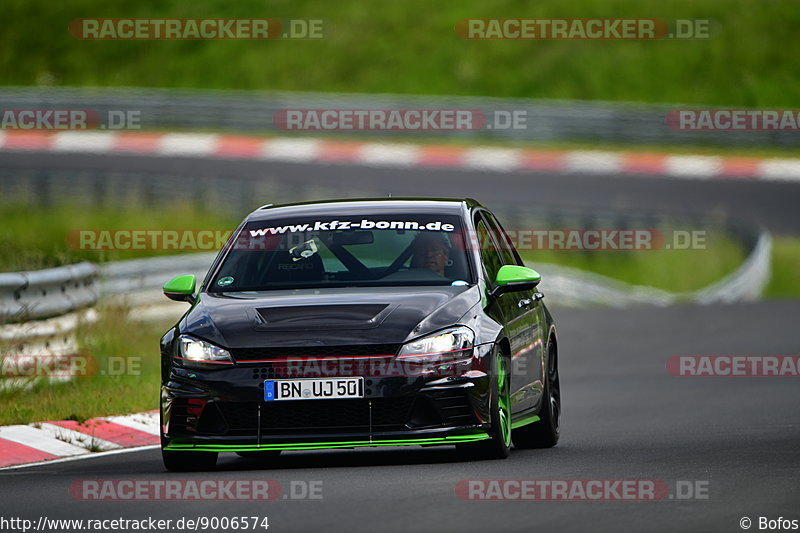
(492, 261)
(503, 242)
(379, 250)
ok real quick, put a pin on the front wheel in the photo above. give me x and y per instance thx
(545, 432)
(499, 445)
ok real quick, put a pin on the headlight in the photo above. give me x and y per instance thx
(447, 346)
(194, 352)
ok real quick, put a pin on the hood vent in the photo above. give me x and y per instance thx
(310, 317)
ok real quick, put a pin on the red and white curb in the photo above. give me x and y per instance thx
(47, 441)
(403, 155)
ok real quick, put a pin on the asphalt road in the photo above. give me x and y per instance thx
(771, 204)
(625, 417)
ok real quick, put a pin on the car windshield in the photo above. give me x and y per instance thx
(383, 250)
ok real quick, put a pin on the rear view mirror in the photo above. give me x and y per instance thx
(512, 278)
(181, 289)
(347, 238)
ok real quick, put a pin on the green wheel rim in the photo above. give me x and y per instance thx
(503, 401)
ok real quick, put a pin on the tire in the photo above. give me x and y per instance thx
(545, 432)
(188, 461)
(499, 446)
(184, 461)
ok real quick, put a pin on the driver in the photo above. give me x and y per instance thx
(431, 251)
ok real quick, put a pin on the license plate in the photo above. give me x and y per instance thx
(313, 389)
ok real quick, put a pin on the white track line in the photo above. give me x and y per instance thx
(40, 440)
(295, 150)
(693, 166)
(82, 457)
(301, 150)
(592, 161)
(77, 438)
(499, 159)
(780, 169)
(187, 144)
(144, 422)
(393, 155)
(76, 141)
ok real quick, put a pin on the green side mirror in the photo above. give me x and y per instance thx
(511, 278)
(181, 289)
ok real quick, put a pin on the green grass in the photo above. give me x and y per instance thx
(670, 270)
(118, 346)
(785, 280)
(32, 239)
(411, 47)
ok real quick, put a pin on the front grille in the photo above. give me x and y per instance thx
(354, 350)
(180, 419)
(317, 416)
(454, 407)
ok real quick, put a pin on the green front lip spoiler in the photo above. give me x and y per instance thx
(457, 439)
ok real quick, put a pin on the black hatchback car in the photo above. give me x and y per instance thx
(355, 323)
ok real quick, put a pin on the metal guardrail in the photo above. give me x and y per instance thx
(248, 111)
(570, 287)
(29, 342)
(135, 275)
(746, 283)
(47, 293)
(565, 286)
(92, 188)
(40, 312)
(27, 296)
(69, 291)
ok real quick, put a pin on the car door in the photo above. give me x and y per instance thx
(516, 313)
(527, 362)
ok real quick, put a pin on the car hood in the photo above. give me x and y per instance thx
(328, 317)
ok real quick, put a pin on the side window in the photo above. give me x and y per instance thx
(490, 256)
(507, 250)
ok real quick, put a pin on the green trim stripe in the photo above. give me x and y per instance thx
(324, 445)
(525, 421)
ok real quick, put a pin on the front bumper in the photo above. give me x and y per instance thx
(416, 438)
(223, 410)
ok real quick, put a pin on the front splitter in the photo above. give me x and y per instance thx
(454, 439)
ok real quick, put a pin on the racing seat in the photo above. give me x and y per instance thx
(456, 267)
(282, 268)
